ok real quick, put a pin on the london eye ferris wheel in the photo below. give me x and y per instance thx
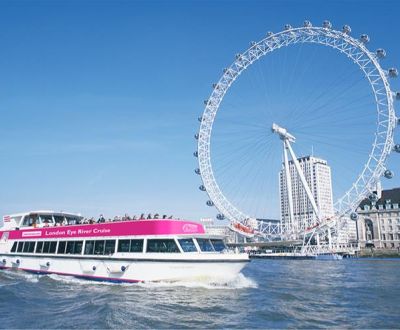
(335, 101)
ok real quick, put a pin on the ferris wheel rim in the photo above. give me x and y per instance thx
(355, 50)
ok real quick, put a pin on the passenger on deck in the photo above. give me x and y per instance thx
(149, 216)
(101, 219)
(141, 216)
(164, 216)
(156, 216)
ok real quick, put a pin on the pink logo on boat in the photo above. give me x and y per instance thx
(36, 233)
(189, 228)
(110, 229)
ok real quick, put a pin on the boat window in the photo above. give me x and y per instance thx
(70, 247)
(78, 247)
(99, 247)
(30, 220)
(53, 247)
(59, 219)
(218, 244)
(205, 245)
(46, 247)
(123, 245)
(89, 247)
(26, 246)
(46, 218)
(20, 246)
(187, 245)
(39, 247)
(25, 223)
(162, 245)
(61, 247)
(74, 247)
(132, 245)
(110, 247)
(17, 220)
(72, 220)
(14, 247)
(31, 246)
(136, 245)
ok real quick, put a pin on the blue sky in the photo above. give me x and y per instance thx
(100, 99)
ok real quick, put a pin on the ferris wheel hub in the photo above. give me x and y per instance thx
(283, 133)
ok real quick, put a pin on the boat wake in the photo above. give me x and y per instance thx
(239, 282)
(22, 276)
(80, 281)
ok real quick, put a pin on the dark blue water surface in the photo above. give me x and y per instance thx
(358, 293)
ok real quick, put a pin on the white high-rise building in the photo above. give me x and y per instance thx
(318, 177)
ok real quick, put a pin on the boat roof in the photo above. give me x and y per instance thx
(46, 212)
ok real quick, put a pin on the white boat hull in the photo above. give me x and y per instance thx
(129, 270)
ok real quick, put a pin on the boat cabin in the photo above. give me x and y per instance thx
(39, 219)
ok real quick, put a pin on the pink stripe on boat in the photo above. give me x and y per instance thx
(126, 228)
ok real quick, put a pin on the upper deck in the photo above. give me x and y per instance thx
(46, 226)
(111, 229)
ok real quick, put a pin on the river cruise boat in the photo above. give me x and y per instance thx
(46, 242)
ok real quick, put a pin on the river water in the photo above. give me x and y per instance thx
(356, 293)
